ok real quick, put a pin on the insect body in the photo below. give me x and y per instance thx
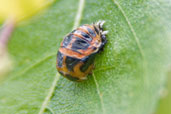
(75, 58)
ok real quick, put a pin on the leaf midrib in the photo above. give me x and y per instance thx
(54, 83)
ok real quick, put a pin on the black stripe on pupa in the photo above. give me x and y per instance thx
(80, 43)
(91, 32)
(71, 62)
(59, 59)
(89, 60)
(86, 36)
(67, 40)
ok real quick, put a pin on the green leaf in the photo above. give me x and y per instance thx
(165, 101)
(129, 73)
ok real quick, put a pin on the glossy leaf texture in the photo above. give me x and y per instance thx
(128, 76)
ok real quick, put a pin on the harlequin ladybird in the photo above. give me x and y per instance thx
(77, 51)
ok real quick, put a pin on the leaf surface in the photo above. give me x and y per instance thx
(129, 73)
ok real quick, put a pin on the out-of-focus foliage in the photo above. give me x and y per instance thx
(165, 102)
(20, 9)
(5, 63)
(11, 12)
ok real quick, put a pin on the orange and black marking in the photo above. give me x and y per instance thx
(75, 58)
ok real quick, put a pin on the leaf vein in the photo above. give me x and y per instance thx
(32, 66)
(79, 14)
(99, 94)
(52, 88)
(144, 64)
(50, 93)
(131, 28)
